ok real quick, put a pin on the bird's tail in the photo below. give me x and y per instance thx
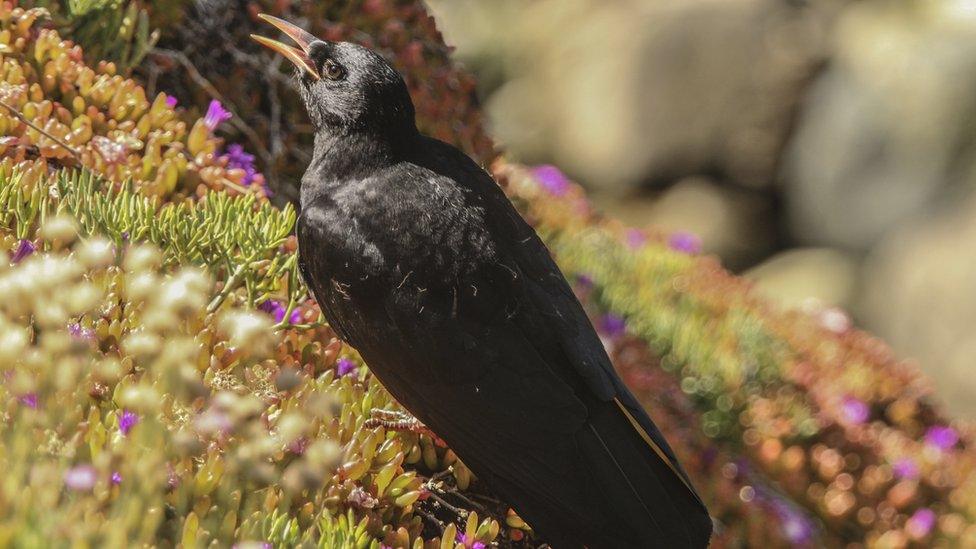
(646, 497)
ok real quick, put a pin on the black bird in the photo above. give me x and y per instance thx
(422, 264)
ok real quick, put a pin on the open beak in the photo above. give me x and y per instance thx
(297, 56)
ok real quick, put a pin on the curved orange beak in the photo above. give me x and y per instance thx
(297, 56)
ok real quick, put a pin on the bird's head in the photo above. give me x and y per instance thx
(346, 87)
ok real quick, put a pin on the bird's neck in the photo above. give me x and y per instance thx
(340, 157)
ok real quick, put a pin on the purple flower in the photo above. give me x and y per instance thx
(613, 325)
(635, 238)
(478, 545)
(77, 332)
(277, 309)
(905, 468)
(29, 400)
(238, 159)
(24, 248)
(551, 179)
(345, 366)
(685, 242)
(855, 410)
(797, 529)
(942, 437)
(127, 421)
(80, 478)
(116, 478)
(216, 113)
(171, 101)
(921, 522)
(584, 282)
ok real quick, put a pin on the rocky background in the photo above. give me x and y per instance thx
(824, 148)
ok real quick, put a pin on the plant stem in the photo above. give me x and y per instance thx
(40, 130)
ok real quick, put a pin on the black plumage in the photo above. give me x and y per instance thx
(422, 264)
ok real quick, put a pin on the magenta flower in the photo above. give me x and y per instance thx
(116, 478)
(613, 325)
(345, 366)
(24, 248)
(79, 333)
(29, 400)
(635, 238)
(905, 468)
(552, 179)
(277, 310)
(921, 522)
(685, 242)
(171, 101)
(942, 437)
(80, 478)
(127, 421)
(216, 114)
(585, 282)
(855, 410)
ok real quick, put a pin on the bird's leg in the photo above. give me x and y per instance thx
(394, 420)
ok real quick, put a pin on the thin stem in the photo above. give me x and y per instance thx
(232, 281)
(40, 130)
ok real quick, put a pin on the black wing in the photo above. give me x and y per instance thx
(581, 437)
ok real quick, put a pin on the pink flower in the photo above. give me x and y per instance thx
(905, 468)
(29, 400)
(685, 242)
(80, 478)
(942, 437)
(635, 238)
(345, 366)
(216, 114)
(171, 101)
(855, 411)
(921, 523)
(127, 421)
(116, 478)
(551, 179)
(79, 333)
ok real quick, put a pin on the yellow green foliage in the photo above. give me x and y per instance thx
(57, 111)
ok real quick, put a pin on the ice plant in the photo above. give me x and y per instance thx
(855, 410)
(277, 310)
(171, 101)
(345, 366)
(80, 478)
(921, 523)
(942, 437)
(238, 159)
(612, 325)
(551, 179)
(635, 238)
(127, 420)
(24, 248)
(685, 242)
(29, 400)
(216, 114)
(905, 468)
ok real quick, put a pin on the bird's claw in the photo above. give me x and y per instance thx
(395, 420)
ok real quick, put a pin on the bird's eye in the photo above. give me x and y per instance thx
(333, 70)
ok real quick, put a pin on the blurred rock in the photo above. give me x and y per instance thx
(796, 276)
(731, 223)
(643, 92)
(920, 296)
(888, 128)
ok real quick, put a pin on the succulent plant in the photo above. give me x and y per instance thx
(154, 328)
(56, 111)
